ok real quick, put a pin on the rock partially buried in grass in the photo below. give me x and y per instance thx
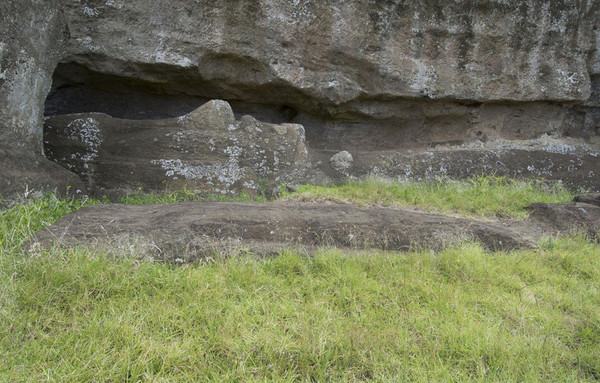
(591, 198)
(195, 230)
(565, 218)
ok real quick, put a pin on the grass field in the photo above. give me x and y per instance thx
(460, 315)
(485, 196)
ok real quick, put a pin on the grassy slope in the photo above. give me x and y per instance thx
(478, 197)
(462, 314)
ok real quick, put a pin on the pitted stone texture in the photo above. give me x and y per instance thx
(194, 230)
(32, 40)
(341, 161)
(205, 150)
(335, 52)
(31, 43)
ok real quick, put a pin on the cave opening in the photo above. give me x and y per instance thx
(359, 125)
(77, 89)
(364, 124)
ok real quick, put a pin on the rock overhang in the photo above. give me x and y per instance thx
(406, 74)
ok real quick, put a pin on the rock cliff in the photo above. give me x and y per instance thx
(362, 76)
(32, 38)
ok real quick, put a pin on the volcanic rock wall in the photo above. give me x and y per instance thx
(358, 75)
(32, 38)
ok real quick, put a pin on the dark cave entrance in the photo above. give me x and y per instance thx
(77, 89)
(171, 93)
(364, 124)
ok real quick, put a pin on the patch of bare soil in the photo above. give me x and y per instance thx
(188, 231)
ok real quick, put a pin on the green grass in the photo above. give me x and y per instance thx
(485, 196)
(462, 314)
(143, 198)
(20, 221)
(459, 315)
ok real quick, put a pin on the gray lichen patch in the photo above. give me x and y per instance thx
(87, 132)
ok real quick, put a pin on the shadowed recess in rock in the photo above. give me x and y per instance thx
(367, 123)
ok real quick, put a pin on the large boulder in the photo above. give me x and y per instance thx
(206, 150)
(193, 230)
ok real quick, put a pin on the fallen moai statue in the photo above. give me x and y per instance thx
(198, 229)
(207, 150)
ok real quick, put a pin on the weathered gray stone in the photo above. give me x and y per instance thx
(575, 169)
(215, 114)
(191, 230)
(196, 230)
(402, 66)
(206, 150)
(591, 198)
(336, 52)
(370, 75)
(32, 38)
(341, 161)
(565, 219)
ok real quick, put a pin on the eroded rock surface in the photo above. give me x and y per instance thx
(565, 218)
(591, 198)
(198, 229)
(341, 161)
(32, 41)
(363, 76)
(380, 74)
(575, 166)
(336, 52)
(191, 230)
(206, 150)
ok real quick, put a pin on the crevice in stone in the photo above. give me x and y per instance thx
(76, 89)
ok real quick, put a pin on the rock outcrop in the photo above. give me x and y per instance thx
(375, 75)
(576, 166)
(321, 52)
(591, 198)
(206, 150)
(193, 230)
(32, 41)
(547, 219)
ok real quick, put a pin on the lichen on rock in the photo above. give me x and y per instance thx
(390, 78)
(206, 149)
